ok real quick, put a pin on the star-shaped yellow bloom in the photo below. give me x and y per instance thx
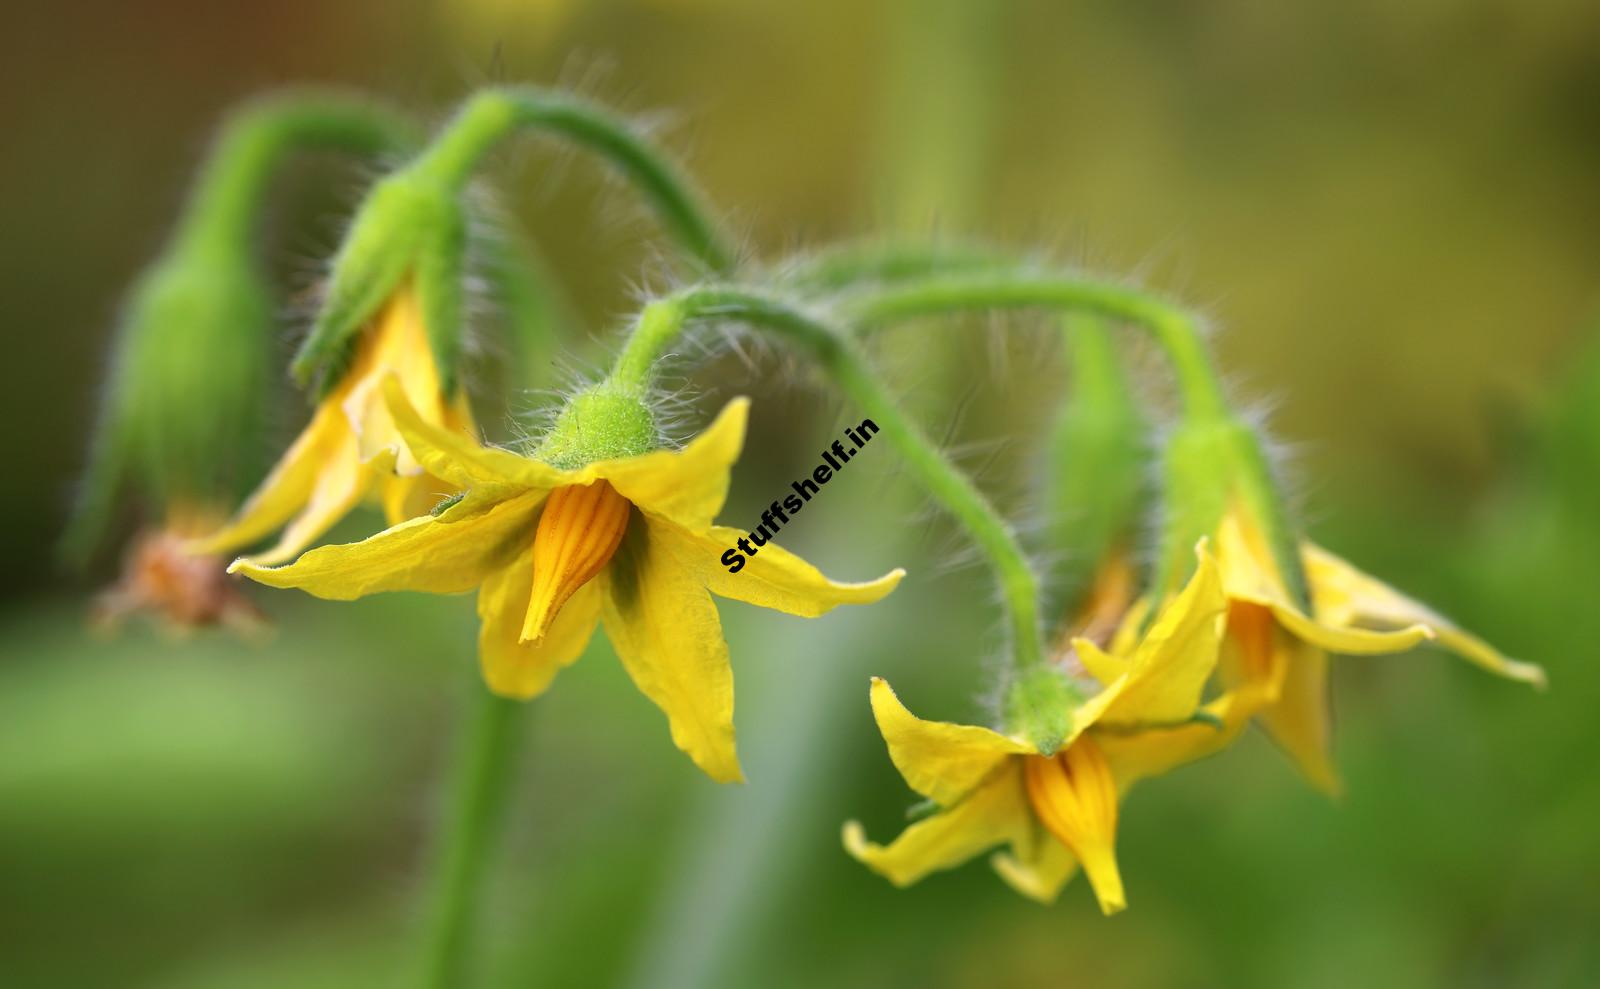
(628, 542)
(1057, 810)
(351, 451)
(1282, 651)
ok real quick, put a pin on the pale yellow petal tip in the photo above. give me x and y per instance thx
(253, 568)
(1324, 779)
(870, 854)
(871, 591)
(1106, 879)
(854, 837)
(720, 762)
(512, 684)
(1531, 674)
(1024, 880)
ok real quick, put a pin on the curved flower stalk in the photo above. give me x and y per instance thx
(394, 306)
(180, 426)
(1056, 808)
(600, 526)
(1290, 603)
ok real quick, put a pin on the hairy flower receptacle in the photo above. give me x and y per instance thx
(1075, 797)
(578, 532)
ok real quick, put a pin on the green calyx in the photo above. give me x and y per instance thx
(1040, 705)
(1214, 464)
(607, 421)
(411, 226)
(188, 390)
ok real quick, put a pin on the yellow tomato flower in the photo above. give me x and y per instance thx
(1058, 810)
(351, 451)
(1281, 652)
(553, 553)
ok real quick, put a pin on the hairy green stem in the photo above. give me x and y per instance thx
(224, 209)
(1176, 331)
(491, 115)
(1205, 409)
(475, 801)
(841, 357)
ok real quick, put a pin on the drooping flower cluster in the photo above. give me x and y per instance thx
(598, 522)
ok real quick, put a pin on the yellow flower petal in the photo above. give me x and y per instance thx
(287, 489)
(1074, 796)
(1248, 570)
(340, 486)
(687, 486)
(777, 579)
(424, 554)
(1300, 721)
(665, 629)
(511, 667)
(1134, 755)
(990, 815)
(1345, 596)
(408, 497)
(1349, 641)
(579, 530)
(462, 461)
(1171, 665)
(1041, 874)
(941, 761)
(1128, 633)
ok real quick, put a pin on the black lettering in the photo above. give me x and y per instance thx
(735, 564)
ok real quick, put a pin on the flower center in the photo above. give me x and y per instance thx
(578, 533)
(1075, 797)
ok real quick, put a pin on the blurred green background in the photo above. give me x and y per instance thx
(1392, 211)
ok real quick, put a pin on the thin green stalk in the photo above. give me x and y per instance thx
(662, 321)
(491, 115)
(224, 209)
(475, 804)
(1175, 330)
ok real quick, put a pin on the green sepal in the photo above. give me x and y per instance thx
(184, 407)
(1040, 706)
(607, 421)
(441, 277)
(1212, 463)
(405, 218)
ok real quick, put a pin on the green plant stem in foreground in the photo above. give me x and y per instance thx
(491, 115)
(474, 806)
(662, 321)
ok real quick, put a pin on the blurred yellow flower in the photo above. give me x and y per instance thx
(1057, 810)
(351, 450)
(1281, 652)
(555, 552)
